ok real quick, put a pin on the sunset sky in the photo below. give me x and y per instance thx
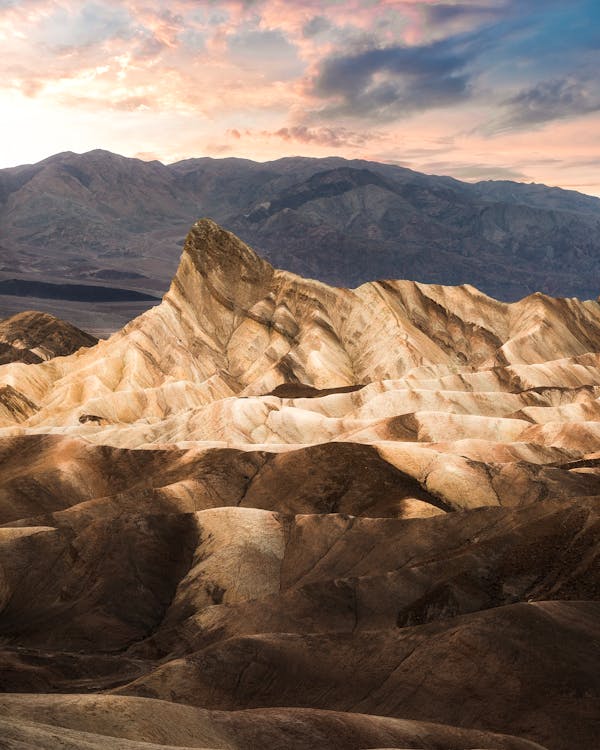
(507, 89)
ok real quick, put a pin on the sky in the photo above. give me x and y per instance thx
(478, 89)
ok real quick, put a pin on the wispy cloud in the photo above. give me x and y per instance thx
(470, 171)
(475, 12)
(331, 137)
(267, 51)
(91, 24)
(556, 99)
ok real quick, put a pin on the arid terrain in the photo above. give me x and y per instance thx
(272, 513)
(91, 224)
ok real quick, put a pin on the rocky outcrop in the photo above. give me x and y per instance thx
(33, 337)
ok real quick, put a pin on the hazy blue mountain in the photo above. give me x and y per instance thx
(100, 218)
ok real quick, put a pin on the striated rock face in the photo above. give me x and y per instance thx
(392, 360)
(32, 337)
(274, 513)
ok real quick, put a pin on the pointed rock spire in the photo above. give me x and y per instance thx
(232, 271)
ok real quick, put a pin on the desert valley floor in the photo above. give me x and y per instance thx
(270, 513)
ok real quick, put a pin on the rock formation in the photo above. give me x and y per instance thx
(102, 219)
(274, 513)
(33, 337)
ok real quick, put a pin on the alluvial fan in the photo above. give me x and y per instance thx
(271, 513)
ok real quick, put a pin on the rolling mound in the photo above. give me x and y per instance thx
(273, 513)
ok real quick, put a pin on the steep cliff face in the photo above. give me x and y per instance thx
(268, 493)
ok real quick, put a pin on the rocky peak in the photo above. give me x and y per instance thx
(234, 274)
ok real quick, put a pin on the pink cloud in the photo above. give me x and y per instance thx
(322, 136)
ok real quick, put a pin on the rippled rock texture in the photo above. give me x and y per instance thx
(273, 513)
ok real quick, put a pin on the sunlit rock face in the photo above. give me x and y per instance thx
(368, 515)
(34, 337)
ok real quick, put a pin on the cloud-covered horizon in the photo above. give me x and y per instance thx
(478, 89)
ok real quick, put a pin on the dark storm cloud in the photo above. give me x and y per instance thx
(390, 81)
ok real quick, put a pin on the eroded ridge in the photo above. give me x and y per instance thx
(273, 513)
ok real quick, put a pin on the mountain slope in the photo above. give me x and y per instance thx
(273, 513)
(101, 217)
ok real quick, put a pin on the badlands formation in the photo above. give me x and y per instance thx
(270, 513)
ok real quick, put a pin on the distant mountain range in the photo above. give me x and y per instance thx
(106, 220)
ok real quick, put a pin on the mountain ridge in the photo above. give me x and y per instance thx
(266, 510)
(99, 216)
(232, 325)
